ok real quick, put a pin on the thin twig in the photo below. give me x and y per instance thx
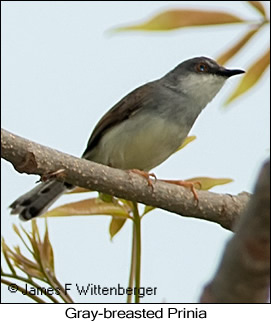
(19, 288)
(30, 282)
(137, 224)
(132, 266)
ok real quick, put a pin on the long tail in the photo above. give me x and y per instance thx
(38, 200)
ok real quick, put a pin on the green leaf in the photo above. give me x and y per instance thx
(235, 48)
(16, 230)
(93, 206)
(35, 231)
(251, 77)
(35, 240)
(47, 254)
(5, 250)
(187, 141)
(105, 197)
(127, 204)
(173, 19)
(115, 225)
(205, 183)
(148, 209)
(78, 189)
(26, 265)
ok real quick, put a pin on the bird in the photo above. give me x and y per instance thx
(143, 129)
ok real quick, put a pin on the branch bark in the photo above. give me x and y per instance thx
(32, 158)
(244, 273)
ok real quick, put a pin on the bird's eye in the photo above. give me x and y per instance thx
(202, 67)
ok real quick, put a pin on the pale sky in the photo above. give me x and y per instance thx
(61, 71)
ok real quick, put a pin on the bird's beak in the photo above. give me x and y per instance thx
(228, 73)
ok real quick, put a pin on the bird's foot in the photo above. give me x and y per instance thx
(187, 184)
(145, 175)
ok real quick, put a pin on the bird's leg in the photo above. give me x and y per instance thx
(145, 175)
(187, 184)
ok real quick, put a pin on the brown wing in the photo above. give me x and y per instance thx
(121, 111)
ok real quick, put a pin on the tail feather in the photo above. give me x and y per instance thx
(38, 200)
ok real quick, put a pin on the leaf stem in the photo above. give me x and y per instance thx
(63, 294)
(30, 282)
(19, 288)
(132, 266)
(137, 225)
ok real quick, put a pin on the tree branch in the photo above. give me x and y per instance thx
(32, 158)
(244, 273)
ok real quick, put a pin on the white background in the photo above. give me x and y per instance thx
(215, 312)
(62, 70)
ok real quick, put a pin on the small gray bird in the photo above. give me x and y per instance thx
(143, 129)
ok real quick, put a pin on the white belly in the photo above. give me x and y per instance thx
(130, 145)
